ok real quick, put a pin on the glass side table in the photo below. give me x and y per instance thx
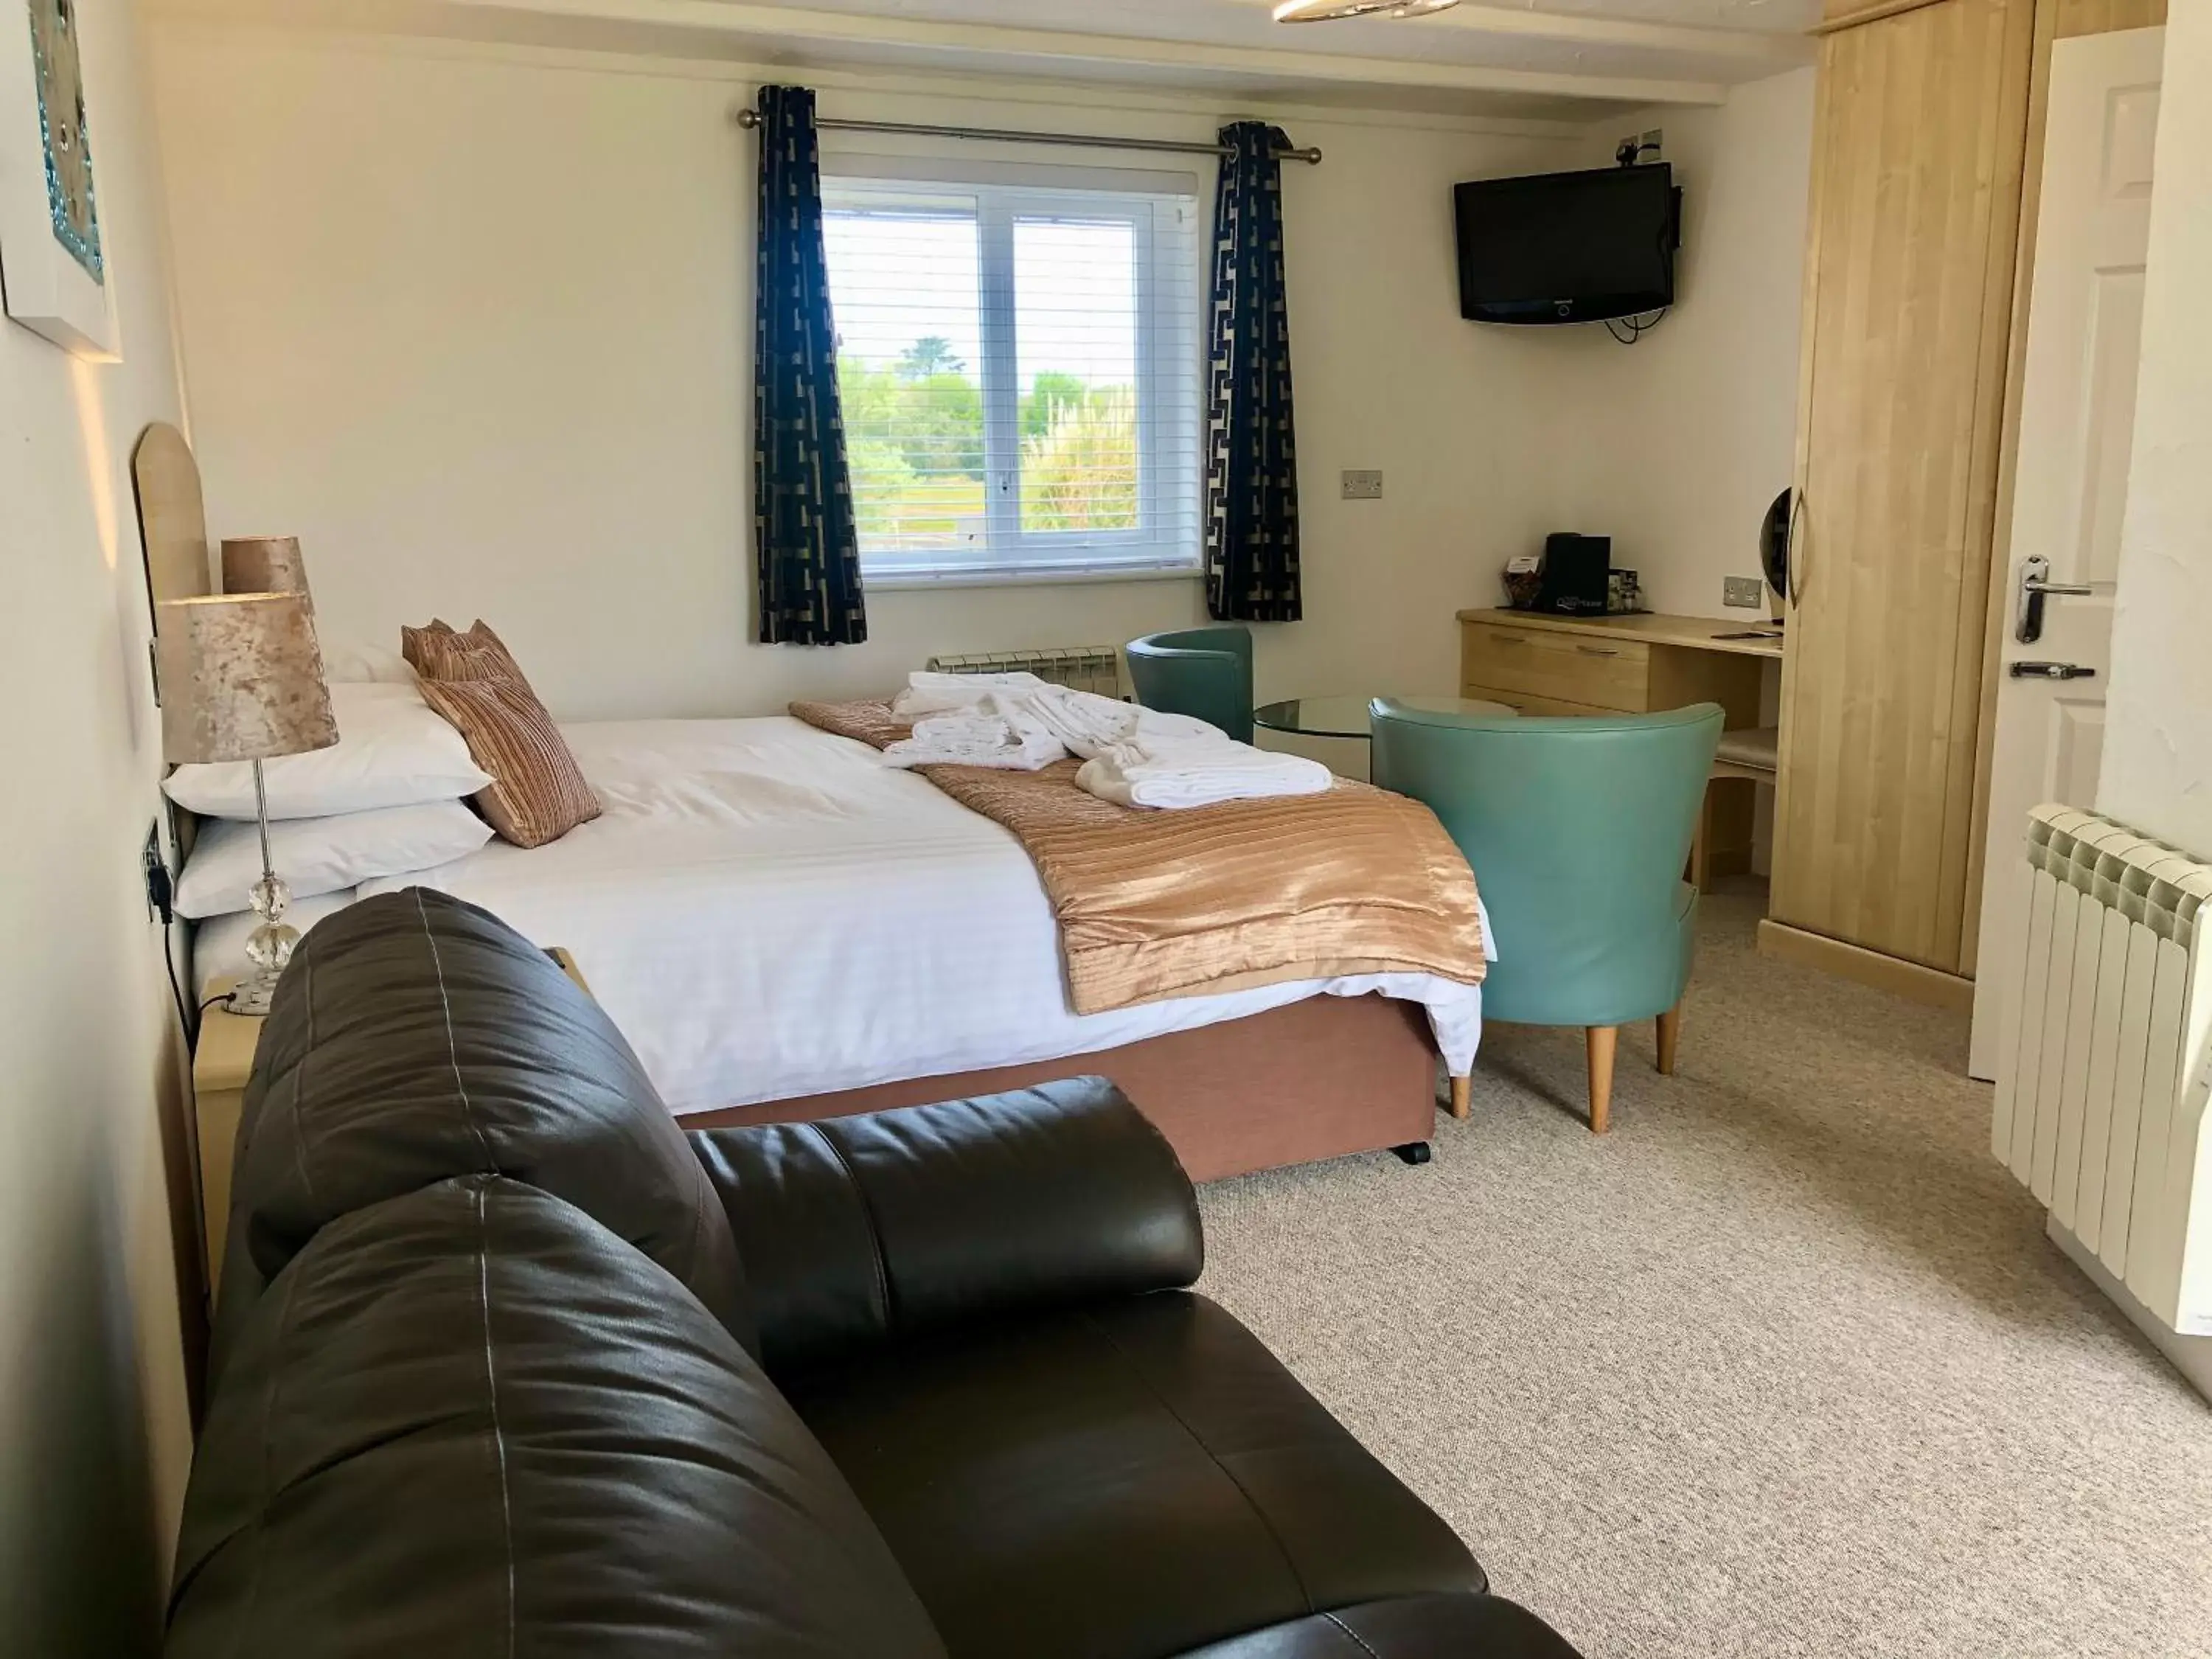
(1346, 717)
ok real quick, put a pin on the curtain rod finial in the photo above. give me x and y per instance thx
(748, 118)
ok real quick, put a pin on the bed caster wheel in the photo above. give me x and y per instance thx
(1415, 1152)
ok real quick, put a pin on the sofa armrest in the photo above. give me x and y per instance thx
(1412, 1627)
(858, 1230)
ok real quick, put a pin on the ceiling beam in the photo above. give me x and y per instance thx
(787, 27)
(1784, 50)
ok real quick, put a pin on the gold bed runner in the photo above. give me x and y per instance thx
(1158, 904)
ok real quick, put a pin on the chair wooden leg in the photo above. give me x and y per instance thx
(1670, 1034)
(1463, 1097)
(1603, 1040)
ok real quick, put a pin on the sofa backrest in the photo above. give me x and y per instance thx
(416, 1037)
(470, 1420)
(857, 1232)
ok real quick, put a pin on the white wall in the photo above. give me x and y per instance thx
(91, 1399)
(2157, 770)
(475, 323)
(1679, 442)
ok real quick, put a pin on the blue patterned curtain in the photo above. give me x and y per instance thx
(1252, 464)
(807, 544)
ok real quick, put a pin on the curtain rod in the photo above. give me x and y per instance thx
(750, 119)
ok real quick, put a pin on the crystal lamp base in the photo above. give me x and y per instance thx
(268, 948)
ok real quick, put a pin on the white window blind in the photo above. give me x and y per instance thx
(1020, 369)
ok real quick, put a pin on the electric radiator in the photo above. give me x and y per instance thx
(2101, 1075)
(1085, 668)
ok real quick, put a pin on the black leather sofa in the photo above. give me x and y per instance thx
(506, 1364)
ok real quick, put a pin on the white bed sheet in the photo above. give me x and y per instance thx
(769, 911)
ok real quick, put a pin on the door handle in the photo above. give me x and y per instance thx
(2035, 586)
(1792, 588)
(2050, 671)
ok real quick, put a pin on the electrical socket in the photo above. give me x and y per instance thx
(1744, 593)
(161, 889)
(1362, 485)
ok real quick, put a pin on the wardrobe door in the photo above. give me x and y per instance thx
(1916, 188)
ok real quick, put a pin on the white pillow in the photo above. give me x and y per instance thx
(348, 663)
(393, 750)
(323, 856)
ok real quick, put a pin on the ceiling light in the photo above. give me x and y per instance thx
(1329, 11)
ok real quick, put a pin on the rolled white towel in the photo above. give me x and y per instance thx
(1176, 775)
(980, 739)
(1036, 722)
(1090, 724)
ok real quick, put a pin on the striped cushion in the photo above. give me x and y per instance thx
(537, 793)
(438, 653)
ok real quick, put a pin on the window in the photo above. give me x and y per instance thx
(1020, 374)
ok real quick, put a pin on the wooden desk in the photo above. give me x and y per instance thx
(1545, 665)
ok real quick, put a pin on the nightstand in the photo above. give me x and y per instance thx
(222, 1063)
(223, 1060)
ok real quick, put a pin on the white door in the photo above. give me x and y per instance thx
(2076, 430)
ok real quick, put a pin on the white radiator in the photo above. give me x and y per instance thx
(2101, 1078)
(1085, 668)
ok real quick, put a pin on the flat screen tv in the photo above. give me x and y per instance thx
(1568, 248)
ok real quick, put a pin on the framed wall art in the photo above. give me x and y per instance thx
(55, 271)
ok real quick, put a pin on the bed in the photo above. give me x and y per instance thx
(786, 927)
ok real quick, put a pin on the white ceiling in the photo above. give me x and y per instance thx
(1251, 19)
(1702, 42)
(1761, 16)
(1562, 59)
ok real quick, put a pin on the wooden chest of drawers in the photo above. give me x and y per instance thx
(1623, 666)
(1555, 668)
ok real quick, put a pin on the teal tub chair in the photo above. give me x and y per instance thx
(1577, 830)
(1202, 671)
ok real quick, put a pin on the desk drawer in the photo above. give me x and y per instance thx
(1595, 673)
(1522, 703)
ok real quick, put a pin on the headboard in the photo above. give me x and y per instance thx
(172, 529)
(172, 521)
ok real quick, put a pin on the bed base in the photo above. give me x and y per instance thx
(1316, 1080)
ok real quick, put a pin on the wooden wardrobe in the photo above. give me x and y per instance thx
(1927, 131)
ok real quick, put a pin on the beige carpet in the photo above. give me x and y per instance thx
(1784, 1365)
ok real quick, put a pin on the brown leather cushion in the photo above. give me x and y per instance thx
(471, 1421)
(415, 1037)
(1132, 1480)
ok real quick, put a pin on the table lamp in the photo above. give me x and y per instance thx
(265, 564)
(242, 680)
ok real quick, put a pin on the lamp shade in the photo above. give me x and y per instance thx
(241, 678)
(265, 564)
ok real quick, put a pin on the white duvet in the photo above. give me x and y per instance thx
(769, 911)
